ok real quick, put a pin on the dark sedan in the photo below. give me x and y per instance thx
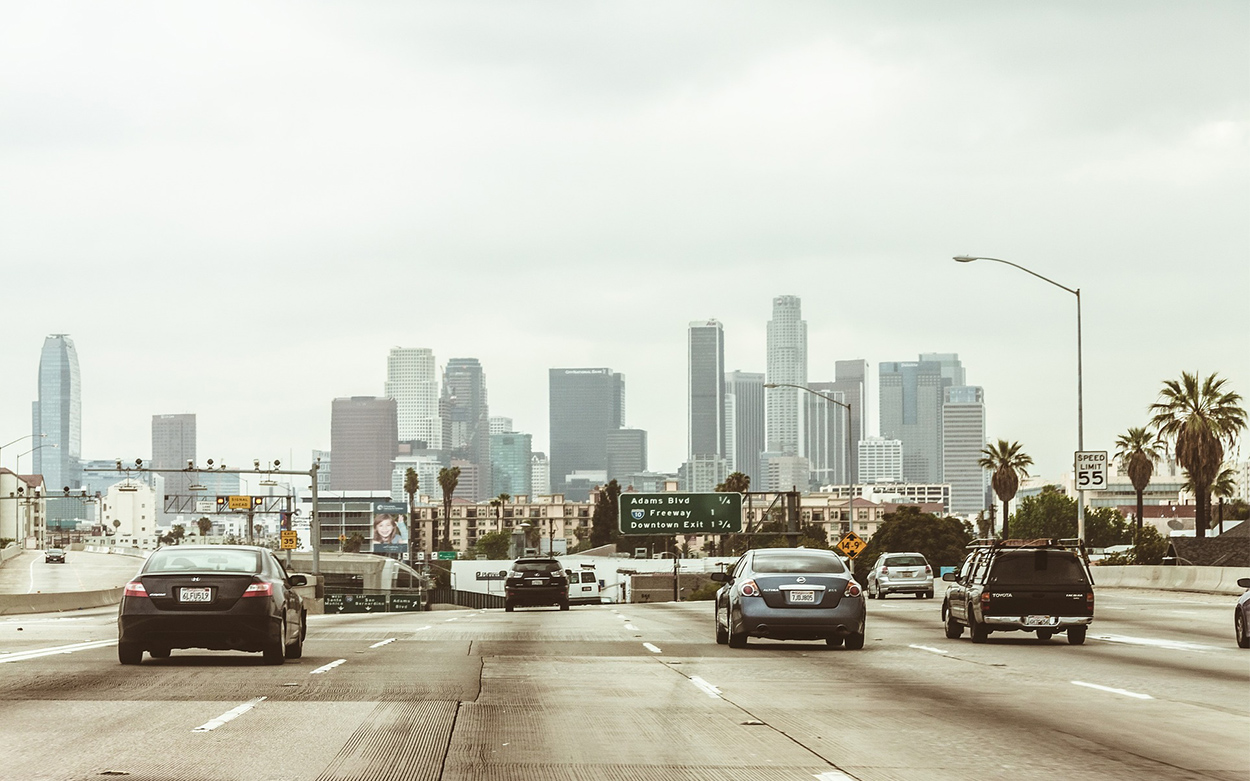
(790, 594)
(219, 597)
(54, 556)
(1241, 619)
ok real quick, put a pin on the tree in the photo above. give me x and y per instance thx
(494, 545)
(1223, 487)
(1008, 463)
(178, 532)
(354, 543)
(1052, 514)
(448, 479)
(1138, 451)
(942, 540)
(1151, 547)
(205, 525)
(735, 483)
(605, 522)
(1199, 419)
(412, 484)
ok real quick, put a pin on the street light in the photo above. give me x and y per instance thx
(1080, 409)
(19, 439)
(850, 502)
(28, 452)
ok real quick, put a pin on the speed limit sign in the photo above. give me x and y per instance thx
(1091, 470)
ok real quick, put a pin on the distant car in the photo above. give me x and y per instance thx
(900, 573)
(789, 594)
(219, 597)
(583, 587)
(54, 556)
(1042, 586)
(536, 581)
(1241, 619)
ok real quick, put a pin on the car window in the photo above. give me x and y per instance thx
(739, 567)
(175, 560)
(536, 566)
(904, 561)
(966, 569)
(1038, 566)
(797, 562)
(979, 568)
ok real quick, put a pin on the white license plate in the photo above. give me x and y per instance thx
(1038, 621)
(588, 588)
(195, 595)
(803, 596)
(537, 582)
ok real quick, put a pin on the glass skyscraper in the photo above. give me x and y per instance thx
(464, 393)
(57, 416)
(584, 405)
(706, 382)
(787, 363)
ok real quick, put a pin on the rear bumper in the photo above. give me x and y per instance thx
(1017, 622)
(906, 586)
(245, 627)
(788, 623)
(537, 595)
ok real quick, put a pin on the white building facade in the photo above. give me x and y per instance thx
(412, 381)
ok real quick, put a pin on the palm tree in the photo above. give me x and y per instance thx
(1199, 418)
(448, 479)
(1138, 451)
(1224, 487)
(498, 502)
(1008, 464)
(412, 483)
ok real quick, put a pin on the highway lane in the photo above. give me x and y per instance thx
(639, 692)
(27, 573)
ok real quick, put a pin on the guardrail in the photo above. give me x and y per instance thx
(19, 604)
(473, 599)
(1206, 580)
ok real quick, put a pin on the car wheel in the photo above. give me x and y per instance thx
(722, 633)
(954, 629)
(507, 607)
(275, 651)
(872, 594)
(296, 650)
(1239, 624)
(564, 605)
(854, 642)
(834, 642)
(980, 632)
(1044, 634)
(129, 653)
(928, 594)
(1076, 635)
(920, 595)
(159, 653)
(736, 639)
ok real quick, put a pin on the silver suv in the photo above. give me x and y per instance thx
(900, 573)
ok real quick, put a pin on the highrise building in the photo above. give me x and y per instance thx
(464, 388)
(703, 472)
(880, 460)
(911, 411)
(57, 416)
(585, 404)
(785, 419)
(744, 429)
(827, 442)
(627, 453)
(540, 475)
(500, 425)
(510, 457)
(411, 380)
(851, 379)
(173, 445)
(364, 441)
(963, 437)
(951, 369)
(706, 384)
(783, 472)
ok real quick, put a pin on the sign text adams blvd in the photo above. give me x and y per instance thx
(676, 513)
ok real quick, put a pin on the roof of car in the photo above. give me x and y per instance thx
(214, 547)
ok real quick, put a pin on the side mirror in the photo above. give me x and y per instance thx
(721, 577)
(950, 577)
(299, 580)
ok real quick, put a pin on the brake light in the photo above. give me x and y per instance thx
(135, 589)
(885, 570)
(1089, 602)
(852, 589)
(749, 589)
(985, 599)
(259, 590)
(928, 570)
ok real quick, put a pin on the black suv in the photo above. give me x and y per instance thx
(536, 581)
(1041, 586)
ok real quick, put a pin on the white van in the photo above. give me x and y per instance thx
(583, 587)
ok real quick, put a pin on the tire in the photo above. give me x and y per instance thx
(872, 590)
(1239, 626)
(835, 642)
(928, 594)
(980, 632)
(736, 639)
(129, 653)
(954, 629)
(507, 607)
(854, 642)
(1044, 634)
(564, 605)
(1076, 634)
(722, 633)
(296, 650)
(275, 651)
(159, 653)
(920, 595)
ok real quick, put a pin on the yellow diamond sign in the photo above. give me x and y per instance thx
(851, 544)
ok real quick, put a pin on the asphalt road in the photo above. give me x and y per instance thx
(1159, 691)
(27, 573)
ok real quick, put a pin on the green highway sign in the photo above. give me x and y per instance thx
(446, 554)
(677, 513)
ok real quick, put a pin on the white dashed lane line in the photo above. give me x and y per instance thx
(708, 688)
(927, 648)
(651, 648)
(21, 656)
(1171, 645)
(1122, 692)
(228, 716)
(328, 667)
(387, 641)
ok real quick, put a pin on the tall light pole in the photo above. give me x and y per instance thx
(28, 452)
(19, 439)
(1080, 409)
(850, 502)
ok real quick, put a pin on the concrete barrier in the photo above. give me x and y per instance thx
(19, 604)
(1205, 580)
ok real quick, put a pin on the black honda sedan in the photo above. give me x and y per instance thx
(219, 597)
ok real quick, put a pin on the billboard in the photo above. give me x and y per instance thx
(390, 528)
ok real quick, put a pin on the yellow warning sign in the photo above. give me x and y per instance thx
(239, 502)
(290, 539)
(851, 544)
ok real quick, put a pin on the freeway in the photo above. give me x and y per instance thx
(1159, 691)
(82, 571)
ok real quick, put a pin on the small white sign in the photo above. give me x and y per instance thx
(1091, 470)
(205, 506)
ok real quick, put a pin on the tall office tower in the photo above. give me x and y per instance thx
(911, 411)
(963, 437)
(952, 369)
(500, 425)
(510, 457)
(540, 475)
(851, 378)
(787, 363)
(364, 441)
(880, 460)
(584, 405)
(827, 442)
(744, 408)
(173, 445)
(783, 472)
(706, 383)
(702, 473)
(322, 459)
(464, 388)
(627, 453)
(411, 380)
(57, 416)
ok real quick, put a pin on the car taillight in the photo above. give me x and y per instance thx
(928, 570)
(852, 589)
(135, 589)
(885, 570)
(259, 590)
(1089, 602)
(749, 589)
(985, 599)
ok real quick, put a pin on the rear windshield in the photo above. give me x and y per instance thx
(174, 560)
(1037, 566)
(797, 562)
(536, 566)
(904, 561)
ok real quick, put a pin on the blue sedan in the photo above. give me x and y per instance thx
(790, 594)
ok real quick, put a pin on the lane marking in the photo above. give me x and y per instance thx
(451, 619)
(1123, 692)
(418, 629)
(327, 668)
(1172, 645)
(31, 590)
(631, 627)
(711, 690)
(384, 642)
(927, 648)
(21, 656)
(651, 648)
(833, 775)
(228, 716)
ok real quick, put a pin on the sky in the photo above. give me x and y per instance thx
(235, 209)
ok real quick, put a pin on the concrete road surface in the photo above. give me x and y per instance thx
(1159, 691)
(28, 574)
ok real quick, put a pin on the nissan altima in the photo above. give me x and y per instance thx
(219, 597)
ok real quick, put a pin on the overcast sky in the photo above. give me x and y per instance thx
(237, 209)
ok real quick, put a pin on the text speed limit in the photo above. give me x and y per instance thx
(1091, 470)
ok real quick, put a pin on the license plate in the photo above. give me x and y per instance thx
(1037, 621)
(803, 596)
(537, 582)
(195, 595)
(587, 588)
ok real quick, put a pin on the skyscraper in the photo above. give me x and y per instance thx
(827, 442)
(173, 444)
(744, 431)
(57, 417)
(464, 388)
(963, 437)
(363, 442)
(412, 382)
(510, 455)
(785, 419)
(627, 453)
(911, 411)
(851, 379)
(706, 383)
(584, 405)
